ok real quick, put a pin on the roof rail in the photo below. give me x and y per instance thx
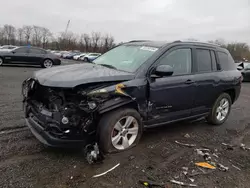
(198, 41)
(139, 41)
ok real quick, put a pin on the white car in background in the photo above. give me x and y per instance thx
(90, 57)
(7, 47)
(77, 57)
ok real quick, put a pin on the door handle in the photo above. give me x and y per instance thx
(189, 82)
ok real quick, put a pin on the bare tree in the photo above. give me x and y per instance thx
(1, 36)
(37, 35)
(46, 34)
(87, 41)
(20, 35)
(9, 33)
(96, 36)
(27, 30)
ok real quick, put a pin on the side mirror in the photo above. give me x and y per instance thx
(13, 52)
(164, 70)
(239, 68)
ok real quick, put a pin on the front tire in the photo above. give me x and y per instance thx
(86, 59)
(221, 110)
(119, 130)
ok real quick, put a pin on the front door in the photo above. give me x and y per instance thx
(171, 98)
(19, 55)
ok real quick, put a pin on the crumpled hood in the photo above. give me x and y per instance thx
(73, 75)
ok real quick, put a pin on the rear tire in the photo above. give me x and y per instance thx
(221, 110)
(116, 136)
(1, 61)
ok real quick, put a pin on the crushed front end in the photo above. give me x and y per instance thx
(60, 117)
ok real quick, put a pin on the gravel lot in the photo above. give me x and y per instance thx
(24, 162)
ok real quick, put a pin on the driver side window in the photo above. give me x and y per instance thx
(180, 60)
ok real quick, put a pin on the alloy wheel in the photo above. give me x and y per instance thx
(222, 110)
(48, 63)
(125, 132)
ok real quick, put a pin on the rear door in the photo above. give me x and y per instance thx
(36, 55)
(206, 78)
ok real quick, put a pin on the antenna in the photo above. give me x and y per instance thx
(66, 30)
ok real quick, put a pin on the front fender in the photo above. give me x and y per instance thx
(116, 103)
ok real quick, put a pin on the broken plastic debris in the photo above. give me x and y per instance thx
(236, 167)
(184, 144)
(222, 167)
(205, 165)
(185, 168)
(215, 155)
(98, 175)
(191, 179)
(243, 146)
(187, 135)
(182, 183)
(229, 146)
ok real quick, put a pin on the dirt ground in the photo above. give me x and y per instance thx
(24, 162)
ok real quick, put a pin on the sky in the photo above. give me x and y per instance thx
(126, 20)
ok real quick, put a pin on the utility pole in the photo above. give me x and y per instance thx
(65, 34)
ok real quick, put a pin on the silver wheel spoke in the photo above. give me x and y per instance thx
(128, 122)
(125, 142)
(225, 105)
(133, 131)
(219, 116)
(224, 113)
(118, 126)
(116, 139)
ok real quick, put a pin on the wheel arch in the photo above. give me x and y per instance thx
(116, 103)
(232, 93)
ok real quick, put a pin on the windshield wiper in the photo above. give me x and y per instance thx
(109, 66)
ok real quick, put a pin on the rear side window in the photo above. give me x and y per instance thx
(204, 62)
(226, 61)
(36, 51)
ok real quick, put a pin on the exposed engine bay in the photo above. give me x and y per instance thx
(66, 113)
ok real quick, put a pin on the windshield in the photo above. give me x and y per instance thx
(126, 58)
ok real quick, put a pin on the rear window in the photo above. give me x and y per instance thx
(226, 61)
(204, 60)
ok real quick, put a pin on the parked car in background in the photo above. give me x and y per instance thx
(57, 53)
(71, 55)
(7, 47)
(91, 57)
(134, 86)
(29, 56)
(77, 57)
(244, 68)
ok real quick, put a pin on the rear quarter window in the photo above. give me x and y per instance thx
(226, 61)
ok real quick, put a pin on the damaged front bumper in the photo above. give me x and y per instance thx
(56, 128)
(47, 133)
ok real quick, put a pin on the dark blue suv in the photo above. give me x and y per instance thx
(136, 85)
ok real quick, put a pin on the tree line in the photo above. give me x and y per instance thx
(94, 42)
(42, 37)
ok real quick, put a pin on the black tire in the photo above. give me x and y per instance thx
(212, 118)
(86, 59)
(106, 127)
(1, 61)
